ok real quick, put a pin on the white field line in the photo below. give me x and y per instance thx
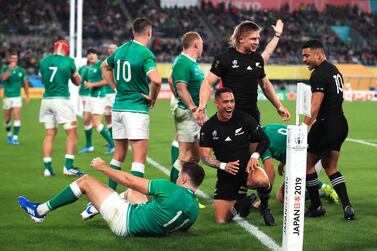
(253, 230)
(361, 142)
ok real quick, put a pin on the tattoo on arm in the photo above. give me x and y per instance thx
(210, 161)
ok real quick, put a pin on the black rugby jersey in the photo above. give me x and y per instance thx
(230, 140)
(327, 79)
(241, 73)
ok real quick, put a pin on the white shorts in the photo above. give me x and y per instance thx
(57, 111)
(85, 103)
(130, 125)
(109, 101)
(187, 128)
(173, 103)
(114, 210)
(97, 105)
(9, 103)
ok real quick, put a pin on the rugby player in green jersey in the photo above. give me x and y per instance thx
(131, 68)
(56, 108)
(13, 78)
(93, 80)
(172, 208)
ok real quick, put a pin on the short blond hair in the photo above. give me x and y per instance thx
(243, 27)
(188, 38)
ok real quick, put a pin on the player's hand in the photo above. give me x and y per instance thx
(251, 165)
(149, 99)
(199, 115)
(284, 113)
(281, 169)
(98, 163)
(27, 100)
(232, 167)
(278, 27)
(88, 85)
(12, 65)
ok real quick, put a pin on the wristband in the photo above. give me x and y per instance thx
(277, 35)
(255, 155)
(222, 166)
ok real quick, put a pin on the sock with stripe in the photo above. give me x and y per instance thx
(8, 127)
(88, 135)
(105, 134)
(137, 169)
(264, 194)
(118, 166)
(174, 151)
(174, 172)
(339, 185)
(69, 161)
(110, 129)
(16, 128)
(67, 196)
(47, 163)
(312, 187)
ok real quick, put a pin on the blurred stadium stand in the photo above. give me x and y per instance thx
(347, 29)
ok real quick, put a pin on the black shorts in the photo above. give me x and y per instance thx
(327, 134)
(230, 187)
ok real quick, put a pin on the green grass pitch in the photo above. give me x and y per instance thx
(63, 229)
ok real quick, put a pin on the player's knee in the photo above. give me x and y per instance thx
(70, 125)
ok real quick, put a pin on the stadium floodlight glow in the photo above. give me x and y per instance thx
(295, 175)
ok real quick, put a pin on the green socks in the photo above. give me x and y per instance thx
(118, 166)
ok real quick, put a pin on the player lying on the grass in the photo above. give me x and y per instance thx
(172, 208)
(277, 135)
(230, 134)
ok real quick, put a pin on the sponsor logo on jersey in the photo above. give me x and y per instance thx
(238, 132)
(214, 135)
(235, 64)
(228, 139)
(257, 64)
(249, 68)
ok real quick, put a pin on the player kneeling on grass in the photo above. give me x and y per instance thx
(173, 207)
(231, 134)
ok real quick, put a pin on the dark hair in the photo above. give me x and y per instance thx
(221, 91)
(314, 44)
(140, 25)
(188, 38)
(195, 172)
(91, 51)
(12, 53)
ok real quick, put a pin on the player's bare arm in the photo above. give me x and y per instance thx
(26, 89)
(204, 96)
(6, 74)
(316, 102)
(269, 92)
(108, 74)
(171, 86)
(76, 78)
(271, 46)
(185, 96)
(123, 178)
(155, 87)
(96, 84)
(230, 167)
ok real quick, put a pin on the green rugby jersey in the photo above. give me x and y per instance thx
(131, 62)
(278, 142)
(173, 208)
(82, 90)
(186, 70)
(109, 90)
(56, 70)
(94, 75)
(12, 86)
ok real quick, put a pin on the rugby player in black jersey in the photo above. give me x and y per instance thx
(230, 134)
(329, 128)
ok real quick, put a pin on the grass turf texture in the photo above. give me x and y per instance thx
(63, 229)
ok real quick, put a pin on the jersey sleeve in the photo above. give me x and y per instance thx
(263, 72)
(4, 69)
(317, 83)
(72, 66)
(218, 66)
(257, 134)
(205, 136)
(23, 73)
(181, 73)
(149, 62)
(267, 155)
(110, 60)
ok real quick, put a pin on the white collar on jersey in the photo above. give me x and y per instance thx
(138, 43)
(184, 54)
